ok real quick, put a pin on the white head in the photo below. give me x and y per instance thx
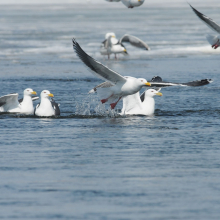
(46, 94)
(29, 92)
(153, 92)
(110, 35)
(143, 82)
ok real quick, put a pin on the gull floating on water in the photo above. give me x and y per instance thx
(121, 86)
(140, 105)
(214, 40)
(10, 102)
(129, 3)
(47, 107)
(112, 45)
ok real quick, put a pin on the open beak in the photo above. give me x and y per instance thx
(147, 84)
(51, 95)
(159, 93)
(33, 93)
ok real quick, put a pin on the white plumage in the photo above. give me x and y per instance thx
(47, 107)
(118, 85)
(10, 102)
(140, 105)
(112, 45)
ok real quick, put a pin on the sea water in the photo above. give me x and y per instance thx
(90, 163)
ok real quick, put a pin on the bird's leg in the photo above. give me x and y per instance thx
(114, 104)
(216, 45)
(115, 57)
(105, 100)
(108, 57)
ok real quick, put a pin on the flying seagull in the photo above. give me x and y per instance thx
(121, 86)
(129, 3)
(214, 40)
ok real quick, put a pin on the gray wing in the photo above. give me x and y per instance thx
(55, 107)
(156, 81)
(134, 41)
(208, 21)
(98, 69)
(11, 100)
(102, 85)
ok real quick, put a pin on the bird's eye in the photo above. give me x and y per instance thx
(152, 91)
(28, 90)
(44, 92)
(142, 81)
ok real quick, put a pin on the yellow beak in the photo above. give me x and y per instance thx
(33, 93)
(125, 50)
(51, 95)
(147, 84)
(159, 93)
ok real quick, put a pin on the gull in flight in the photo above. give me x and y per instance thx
(120, 86)
(129, 3)
(214, 40)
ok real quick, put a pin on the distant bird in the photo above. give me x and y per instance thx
(140, 105)
(214, 40)
(118, 86)
(112, 45)
(10, 102)
(47, 107)
(129, 3)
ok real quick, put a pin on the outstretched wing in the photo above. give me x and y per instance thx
(134, 41)
(208, 21)
(157, 82)
(98, 69)
(9, 101)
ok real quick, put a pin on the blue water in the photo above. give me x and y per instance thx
(90, 163)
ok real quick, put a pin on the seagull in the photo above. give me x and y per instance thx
(47, 107)
(129, 3)
(112, 45)
(214, 40)
(10, 102)
(140, 105)
(121, 86)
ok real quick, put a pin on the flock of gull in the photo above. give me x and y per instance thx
(115, 86)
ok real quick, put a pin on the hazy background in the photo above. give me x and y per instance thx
(146, 3)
